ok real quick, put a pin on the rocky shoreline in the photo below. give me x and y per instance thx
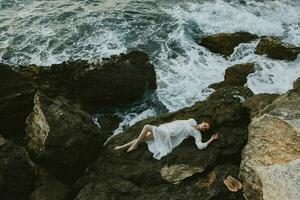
(50, 147)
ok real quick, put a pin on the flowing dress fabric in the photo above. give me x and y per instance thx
(169, 135)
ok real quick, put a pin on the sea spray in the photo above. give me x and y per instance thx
(47, 32)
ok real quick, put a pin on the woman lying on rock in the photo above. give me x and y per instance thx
(163, 138)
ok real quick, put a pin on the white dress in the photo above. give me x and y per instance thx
(169, 135)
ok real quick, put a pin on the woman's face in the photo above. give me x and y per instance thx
(204, 126)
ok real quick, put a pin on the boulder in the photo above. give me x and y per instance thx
(12, 82)
(206, 186)
(276, 49)
(258, 102)
(17, 172)
(16, 101)
(113, 188)
(235, 75)
(119, 79)
(108, 123)
(49, 188)
(296, 84)
(62, 137)
(154, 178)
(270, 160)
(224, 43)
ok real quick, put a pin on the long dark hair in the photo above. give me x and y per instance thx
(210, 122)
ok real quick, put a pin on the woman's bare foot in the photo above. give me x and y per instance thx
(132, 147)
(118, 148)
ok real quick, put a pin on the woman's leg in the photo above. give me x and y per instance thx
(148, 136)
(143, 135)
(125, 145)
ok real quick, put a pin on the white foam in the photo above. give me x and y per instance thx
(183, 77)
(132, 118)
(184, 69)
(271, 76)
(197, 68)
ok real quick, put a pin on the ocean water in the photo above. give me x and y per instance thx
(45, 32)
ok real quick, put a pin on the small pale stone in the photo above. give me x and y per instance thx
(178, 172)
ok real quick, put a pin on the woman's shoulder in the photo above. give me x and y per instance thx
(192, 121)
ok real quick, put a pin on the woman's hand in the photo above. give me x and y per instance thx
(215, 136)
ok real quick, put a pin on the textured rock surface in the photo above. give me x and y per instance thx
(49, 188)
(61, 136)
(258, 102)
(176, 173)
(269, 160)
(16, 171)
(235, 75)
(208, 186)
(224, 43)
(276, 49)
(12, 82)
(118, 79)
(142, 175)
(296, 84)
(16, 101)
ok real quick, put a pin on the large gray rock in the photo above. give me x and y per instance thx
(276, 49)
(62, 137)
(270, 160)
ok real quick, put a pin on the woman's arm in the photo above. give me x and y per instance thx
(198, 139)
(213, 137)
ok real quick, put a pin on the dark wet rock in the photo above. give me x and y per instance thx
(258, 102)
(108, 123)
(224, 43)
(12, 82)
(225, 106)
(13, 112)
(212, 183)
(30, 72)
(142, 174)
(16, 171)
(205, 186)
(235, 75)
(109, 189)
(119, 79)
(62, 137)
(16, 101)
(276, 49)
(49, 188)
